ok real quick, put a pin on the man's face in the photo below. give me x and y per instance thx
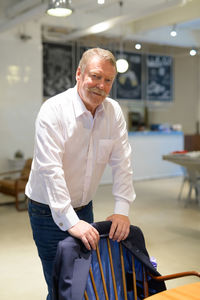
(95, 83)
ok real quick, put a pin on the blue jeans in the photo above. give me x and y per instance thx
(47, 234)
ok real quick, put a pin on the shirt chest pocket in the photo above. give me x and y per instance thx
(104, 150)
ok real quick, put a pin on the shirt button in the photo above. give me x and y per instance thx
(61, 224)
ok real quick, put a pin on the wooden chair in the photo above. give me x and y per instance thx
(115, 271)
(118, 273)
(15, 187)
(130, 285)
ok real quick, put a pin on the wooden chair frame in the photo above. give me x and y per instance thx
(145, 274)
(16, 190)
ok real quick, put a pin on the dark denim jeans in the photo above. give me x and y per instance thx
(47, 234)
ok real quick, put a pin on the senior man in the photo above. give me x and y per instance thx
(77, 133)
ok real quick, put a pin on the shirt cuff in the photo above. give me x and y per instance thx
(67, 221)
(122, 207)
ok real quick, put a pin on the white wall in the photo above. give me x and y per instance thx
(184, 109)
(20, 92)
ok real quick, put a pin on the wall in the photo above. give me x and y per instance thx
(21, 93)
(184, 109)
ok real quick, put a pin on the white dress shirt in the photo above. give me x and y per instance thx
(71, 151)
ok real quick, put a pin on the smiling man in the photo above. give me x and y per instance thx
(94, 81)
(78, 133)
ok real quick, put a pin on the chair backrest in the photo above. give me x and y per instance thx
(26, 169)
(116, 274)
(115, 271)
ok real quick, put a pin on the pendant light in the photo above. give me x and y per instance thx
(122, 63)
(59, 8)
(173, 32)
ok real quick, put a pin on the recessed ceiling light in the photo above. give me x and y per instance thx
(193, 52)
(138, 46)
(100, 1)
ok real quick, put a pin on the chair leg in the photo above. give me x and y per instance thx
(182, 187)
(17, 203)
(197, 193)
(188, 200)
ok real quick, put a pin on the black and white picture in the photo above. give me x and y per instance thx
(159, 78)
(128, 84)
(80, 50)
(57, 68)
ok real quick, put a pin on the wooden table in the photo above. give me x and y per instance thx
(185, 292)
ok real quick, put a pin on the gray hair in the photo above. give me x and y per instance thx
(99, 52)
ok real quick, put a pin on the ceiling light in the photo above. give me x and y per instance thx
(173, 32)
(138, 46)
(100, 1)
(122, 63)
(100, 27)
(193, 52)
(59, 8)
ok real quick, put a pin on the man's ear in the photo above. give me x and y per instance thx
(78, 73)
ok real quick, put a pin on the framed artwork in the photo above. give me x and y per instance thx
(80, 50)
(58, 68)
(159, 78)
(129, 84)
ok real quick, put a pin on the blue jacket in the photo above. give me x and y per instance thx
(73, 260)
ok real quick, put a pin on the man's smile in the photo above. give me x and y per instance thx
(97, 91)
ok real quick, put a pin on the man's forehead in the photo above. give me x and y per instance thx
(98, 63)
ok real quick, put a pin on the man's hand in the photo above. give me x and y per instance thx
(86, 233)
(120, 227)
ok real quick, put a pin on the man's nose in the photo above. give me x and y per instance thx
(101, 84)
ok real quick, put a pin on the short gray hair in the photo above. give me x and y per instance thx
(99, 52)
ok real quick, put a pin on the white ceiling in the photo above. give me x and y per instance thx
(139, 20)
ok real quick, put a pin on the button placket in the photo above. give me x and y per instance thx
(88, 173)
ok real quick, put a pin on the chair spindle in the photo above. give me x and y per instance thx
(112, 269)
(101, 271)
(134, 279)
(123, 272)
(93, 284)
(145, 283)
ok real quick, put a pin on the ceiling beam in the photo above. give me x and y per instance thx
(171, 16)
(21, 7)
(119, 20)
(22, 18)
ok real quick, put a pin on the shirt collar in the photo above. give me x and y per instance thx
(79, 106)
